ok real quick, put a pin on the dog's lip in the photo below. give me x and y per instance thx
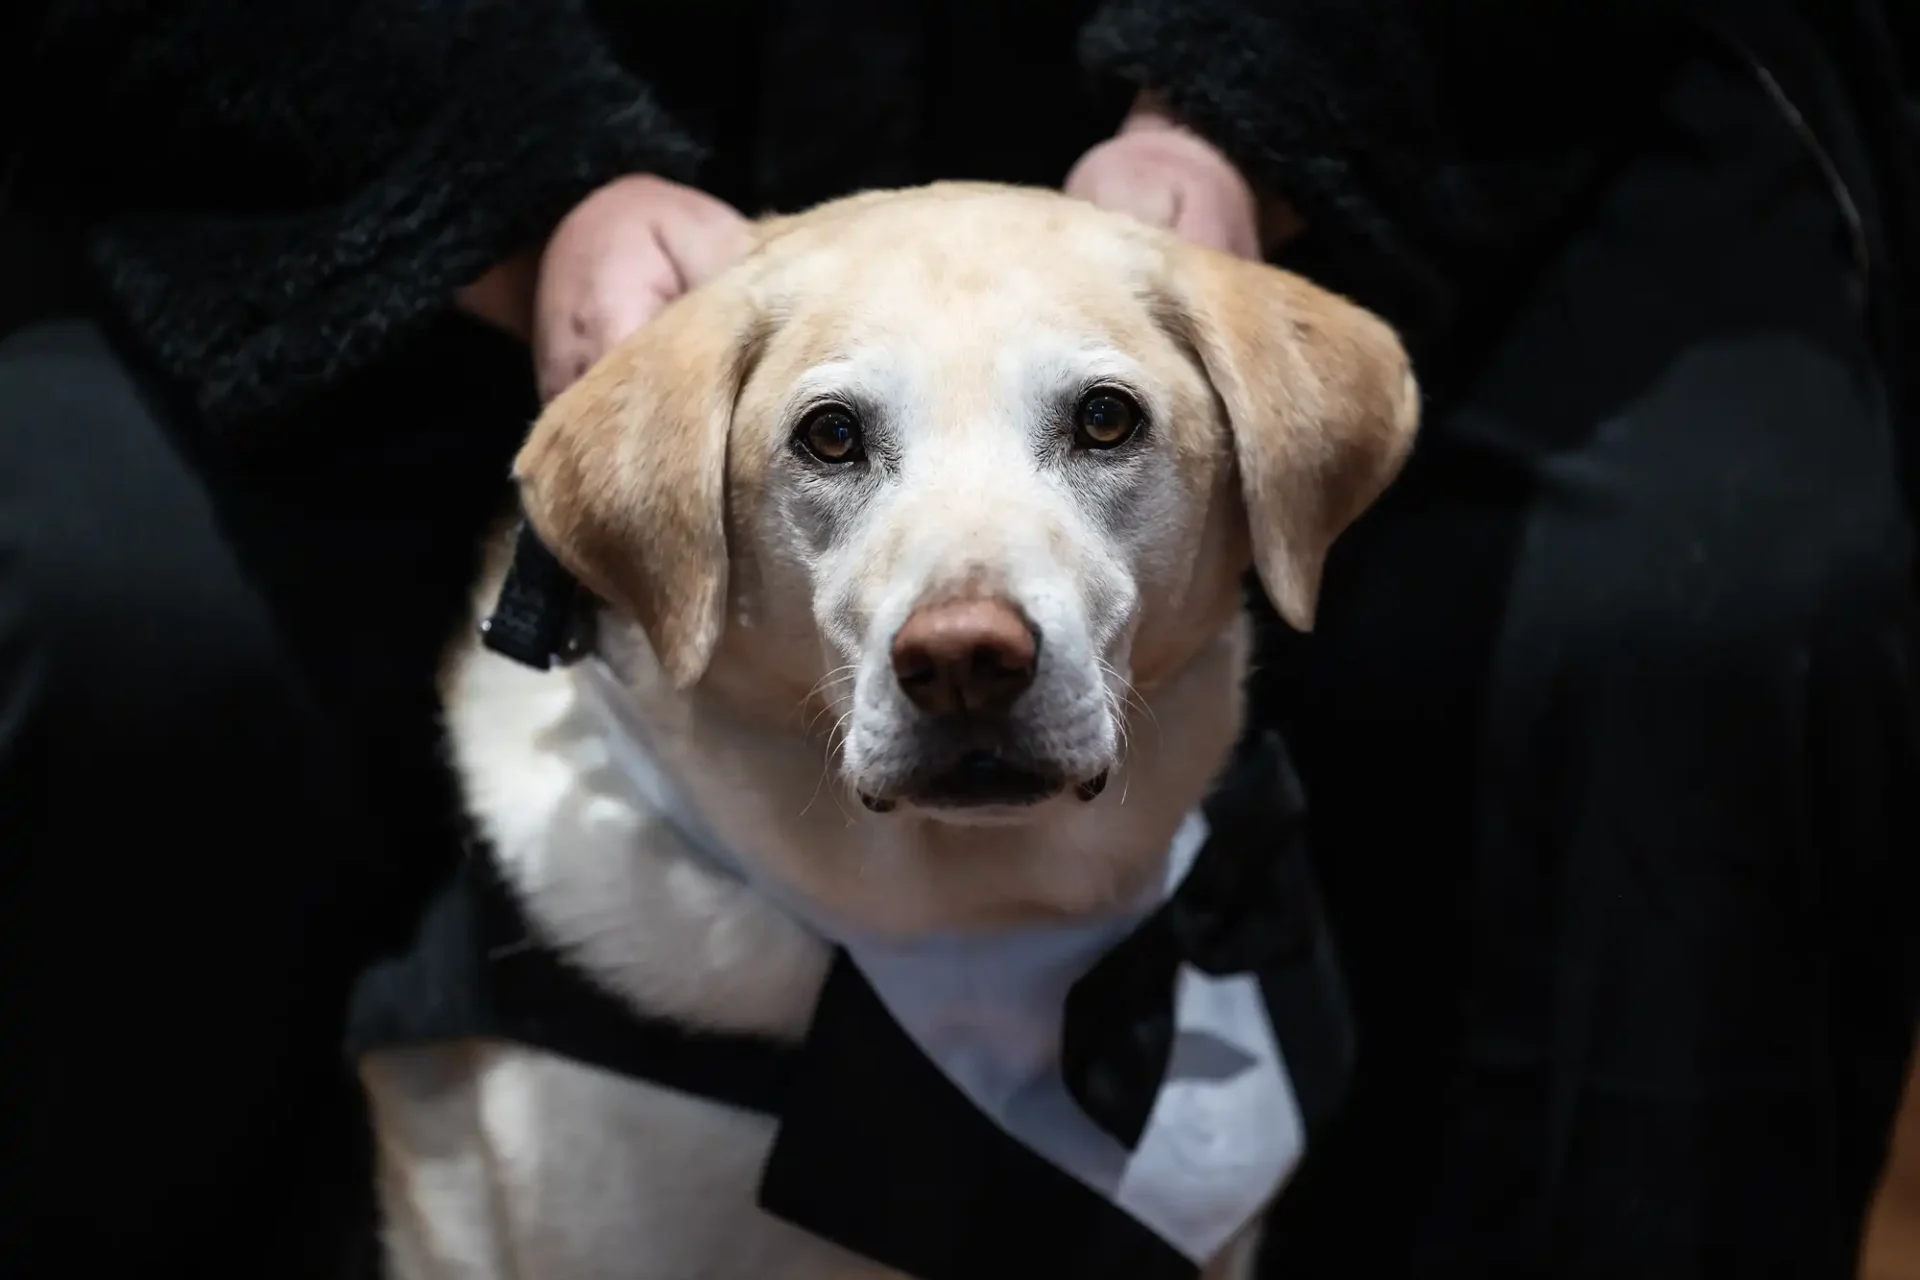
(984, 779)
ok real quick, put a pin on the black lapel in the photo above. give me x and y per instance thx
(1249, 905)
(1259, 814)
(879, 1152)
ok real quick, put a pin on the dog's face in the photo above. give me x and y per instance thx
(952, 472)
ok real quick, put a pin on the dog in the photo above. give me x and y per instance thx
(920, 537)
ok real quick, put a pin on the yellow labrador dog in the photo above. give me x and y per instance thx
(931, 473)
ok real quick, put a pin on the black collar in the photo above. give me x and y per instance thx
(544, 616)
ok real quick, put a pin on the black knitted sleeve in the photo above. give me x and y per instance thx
(1424, 141)
(281, 188)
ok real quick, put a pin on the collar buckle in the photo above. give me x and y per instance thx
(544, 618)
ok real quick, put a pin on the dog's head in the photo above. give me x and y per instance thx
(955, 469)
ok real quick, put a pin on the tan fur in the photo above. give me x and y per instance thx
(643, 464)
(749, 627)
(1321, 402)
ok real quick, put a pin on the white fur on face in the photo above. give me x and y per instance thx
(972, 484)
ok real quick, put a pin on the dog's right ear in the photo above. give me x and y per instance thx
(624, 476)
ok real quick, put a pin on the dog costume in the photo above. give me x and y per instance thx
(1119, 1096)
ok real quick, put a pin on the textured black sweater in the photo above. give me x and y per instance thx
(278, 193)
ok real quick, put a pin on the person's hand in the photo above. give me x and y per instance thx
(1164, 173)
(624, 252)
(621, 255)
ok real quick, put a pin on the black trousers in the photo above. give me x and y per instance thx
(1611, 730)
(174, 816)
(219, 790)
(1609, 727)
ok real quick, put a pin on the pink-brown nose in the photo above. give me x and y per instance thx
(966, 655)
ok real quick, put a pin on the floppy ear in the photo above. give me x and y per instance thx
(1321, 400)
(624, 475)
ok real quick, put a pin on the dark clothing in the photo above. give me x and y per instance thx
(1609, 724)
(277, 194)
(281, 193)
(181, 840)
(1611, 729)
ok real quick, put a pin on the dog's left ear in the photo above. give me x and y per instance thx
(1320, 397)
(624, 475)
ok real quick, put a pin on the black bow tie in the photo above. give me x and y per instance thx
(1247, 906)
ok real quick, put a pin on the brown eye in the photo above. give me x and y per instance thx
(1105, 420)
(832, 435)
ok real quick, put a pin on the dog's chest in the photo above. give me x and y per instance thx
(507, 1162)
(609, 879)
(501, 1160)
(558, 1171)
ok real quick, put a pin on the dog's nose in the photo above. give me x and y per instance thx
(965, 655)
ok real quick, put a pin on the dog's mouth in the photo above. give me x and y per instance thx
(981, 780)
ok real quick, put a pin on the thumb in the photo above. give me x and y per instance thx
(1128, 189)
(701, 248)
(1144, 196)
(572, 341)
(1119, 182)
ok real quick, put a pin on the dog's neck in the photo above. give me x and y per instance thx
(615, 884)
(765, 784)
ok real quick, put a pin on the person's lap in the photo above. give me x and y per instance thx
(1612, 729)
(220, 777)
(175, 818)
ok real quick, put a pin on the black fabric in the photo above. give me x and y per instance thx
(1249, 905)
(1443, 150)
(868, 1111)
(223, 788)
(182, 835)
(282, 195)
(278, 196)
(1611, 726)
